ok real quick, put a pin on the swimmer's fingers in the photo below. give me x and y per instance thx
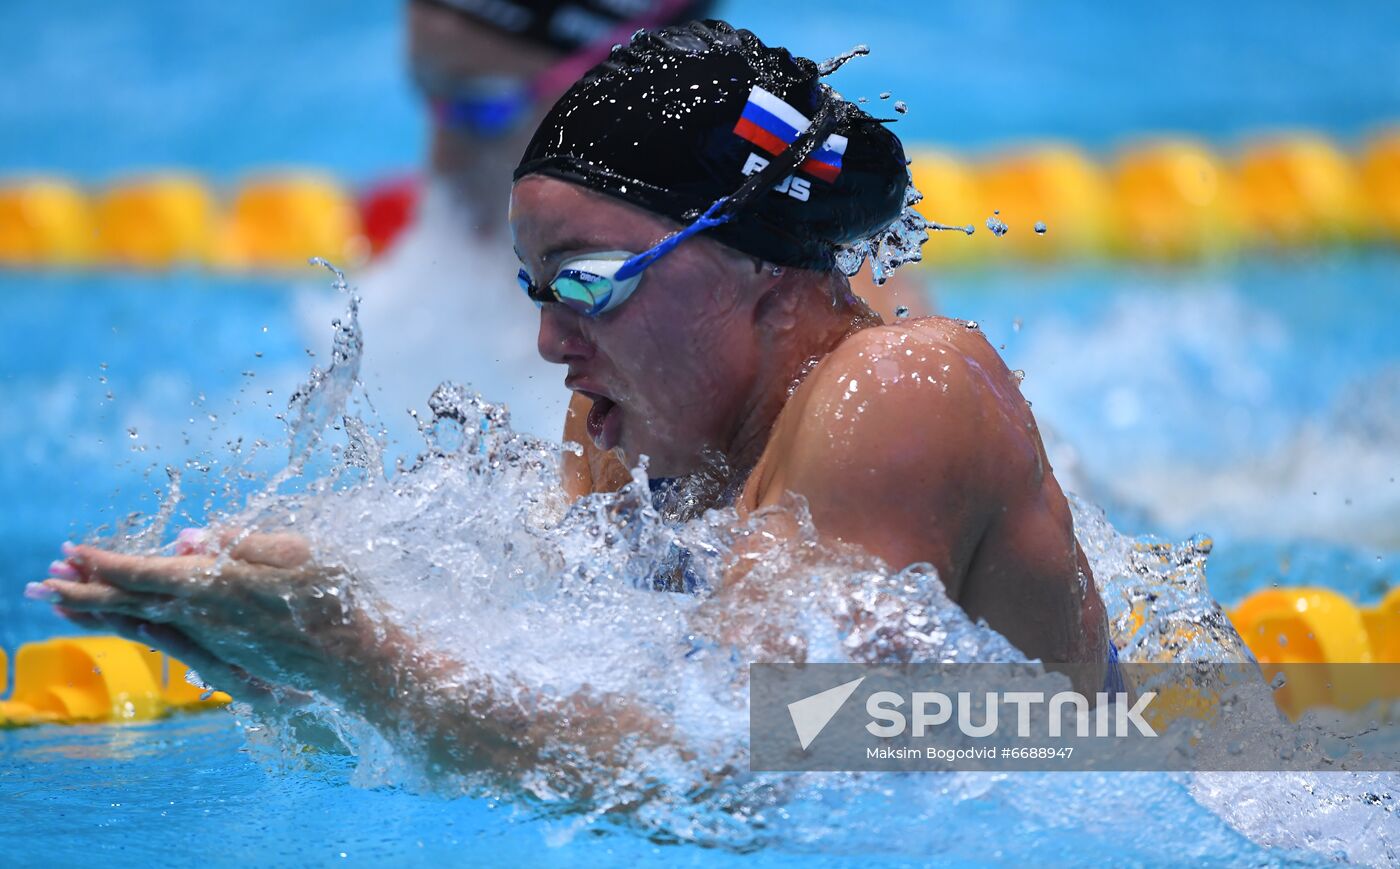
(96, 597)
(178, 575)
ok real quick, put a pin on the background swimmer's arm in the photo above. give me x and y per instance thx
(595, 470)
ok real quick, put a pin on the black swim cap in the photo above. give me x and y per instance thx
(570, 25)
(679, 117)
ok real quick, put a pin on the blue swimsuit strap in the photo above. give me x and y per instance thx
(1113, 675)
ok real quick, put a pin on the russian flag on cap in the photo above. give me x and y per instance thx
(772, 125)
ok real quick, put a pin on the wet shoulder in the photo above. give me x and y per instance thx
(917, 397)
(903, 360)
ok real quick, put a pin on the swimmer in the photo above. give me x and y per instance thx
(697, 307)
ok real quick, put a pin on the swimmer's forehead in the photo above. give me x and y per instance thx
(551, 219)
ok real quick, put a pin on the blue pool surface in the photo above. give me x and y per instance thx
(1256, 401)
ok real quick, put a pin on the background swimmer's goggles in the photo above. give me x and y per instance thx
(486, 105)
(494, 105)
(593, 284)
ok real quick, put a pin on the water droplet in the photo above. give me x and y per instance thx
(131, 433)
(901, 312)
(997, 225)
(1040, 227)
(900, 106)
(971, 324)
(884, 95)
(1278, 681)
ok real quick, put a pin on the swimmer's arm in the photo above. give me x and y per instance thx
(466, 721)
(256, 617)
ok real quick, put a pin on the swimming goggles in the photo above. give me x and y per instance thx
(595, 283)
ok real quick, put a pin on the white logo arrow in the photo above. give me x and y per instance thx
(811, 715)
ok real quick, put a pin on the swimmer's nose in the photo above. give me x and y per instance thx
(560, 340)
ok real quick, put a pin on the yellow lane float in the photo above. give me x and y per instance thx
(1164, 199)
(44, 223)
(1319, 626)
(1380, 181)
(1054, 185)
(1298, 191)
(1172, 201)
(155, 222)
(95, 679)
(278, 220)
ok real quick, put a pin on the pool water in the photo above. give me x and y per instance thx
(1257, 401)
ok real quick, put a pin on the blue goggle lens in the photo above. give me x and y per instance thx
(582, 291)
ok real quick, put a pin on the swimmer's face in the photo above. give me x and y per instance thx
(445, 50)
(675, 363)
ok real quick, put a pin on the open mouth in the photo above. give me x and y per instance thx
(604, 421)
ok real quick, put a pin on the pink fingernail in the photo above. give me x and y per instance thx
(191, 540)
(69, 547)
(64, 570)
(39, 591)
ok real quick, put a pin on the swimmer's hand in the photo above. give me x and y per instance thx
(246, 611)
(259, 612)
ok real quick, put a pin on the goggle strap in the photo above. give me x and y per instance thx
(711, 218)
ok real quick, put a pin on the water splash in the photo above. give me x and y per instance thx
(898, 243)
(473, 550)
(827, 67)
(325, 393)
(996, 225)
